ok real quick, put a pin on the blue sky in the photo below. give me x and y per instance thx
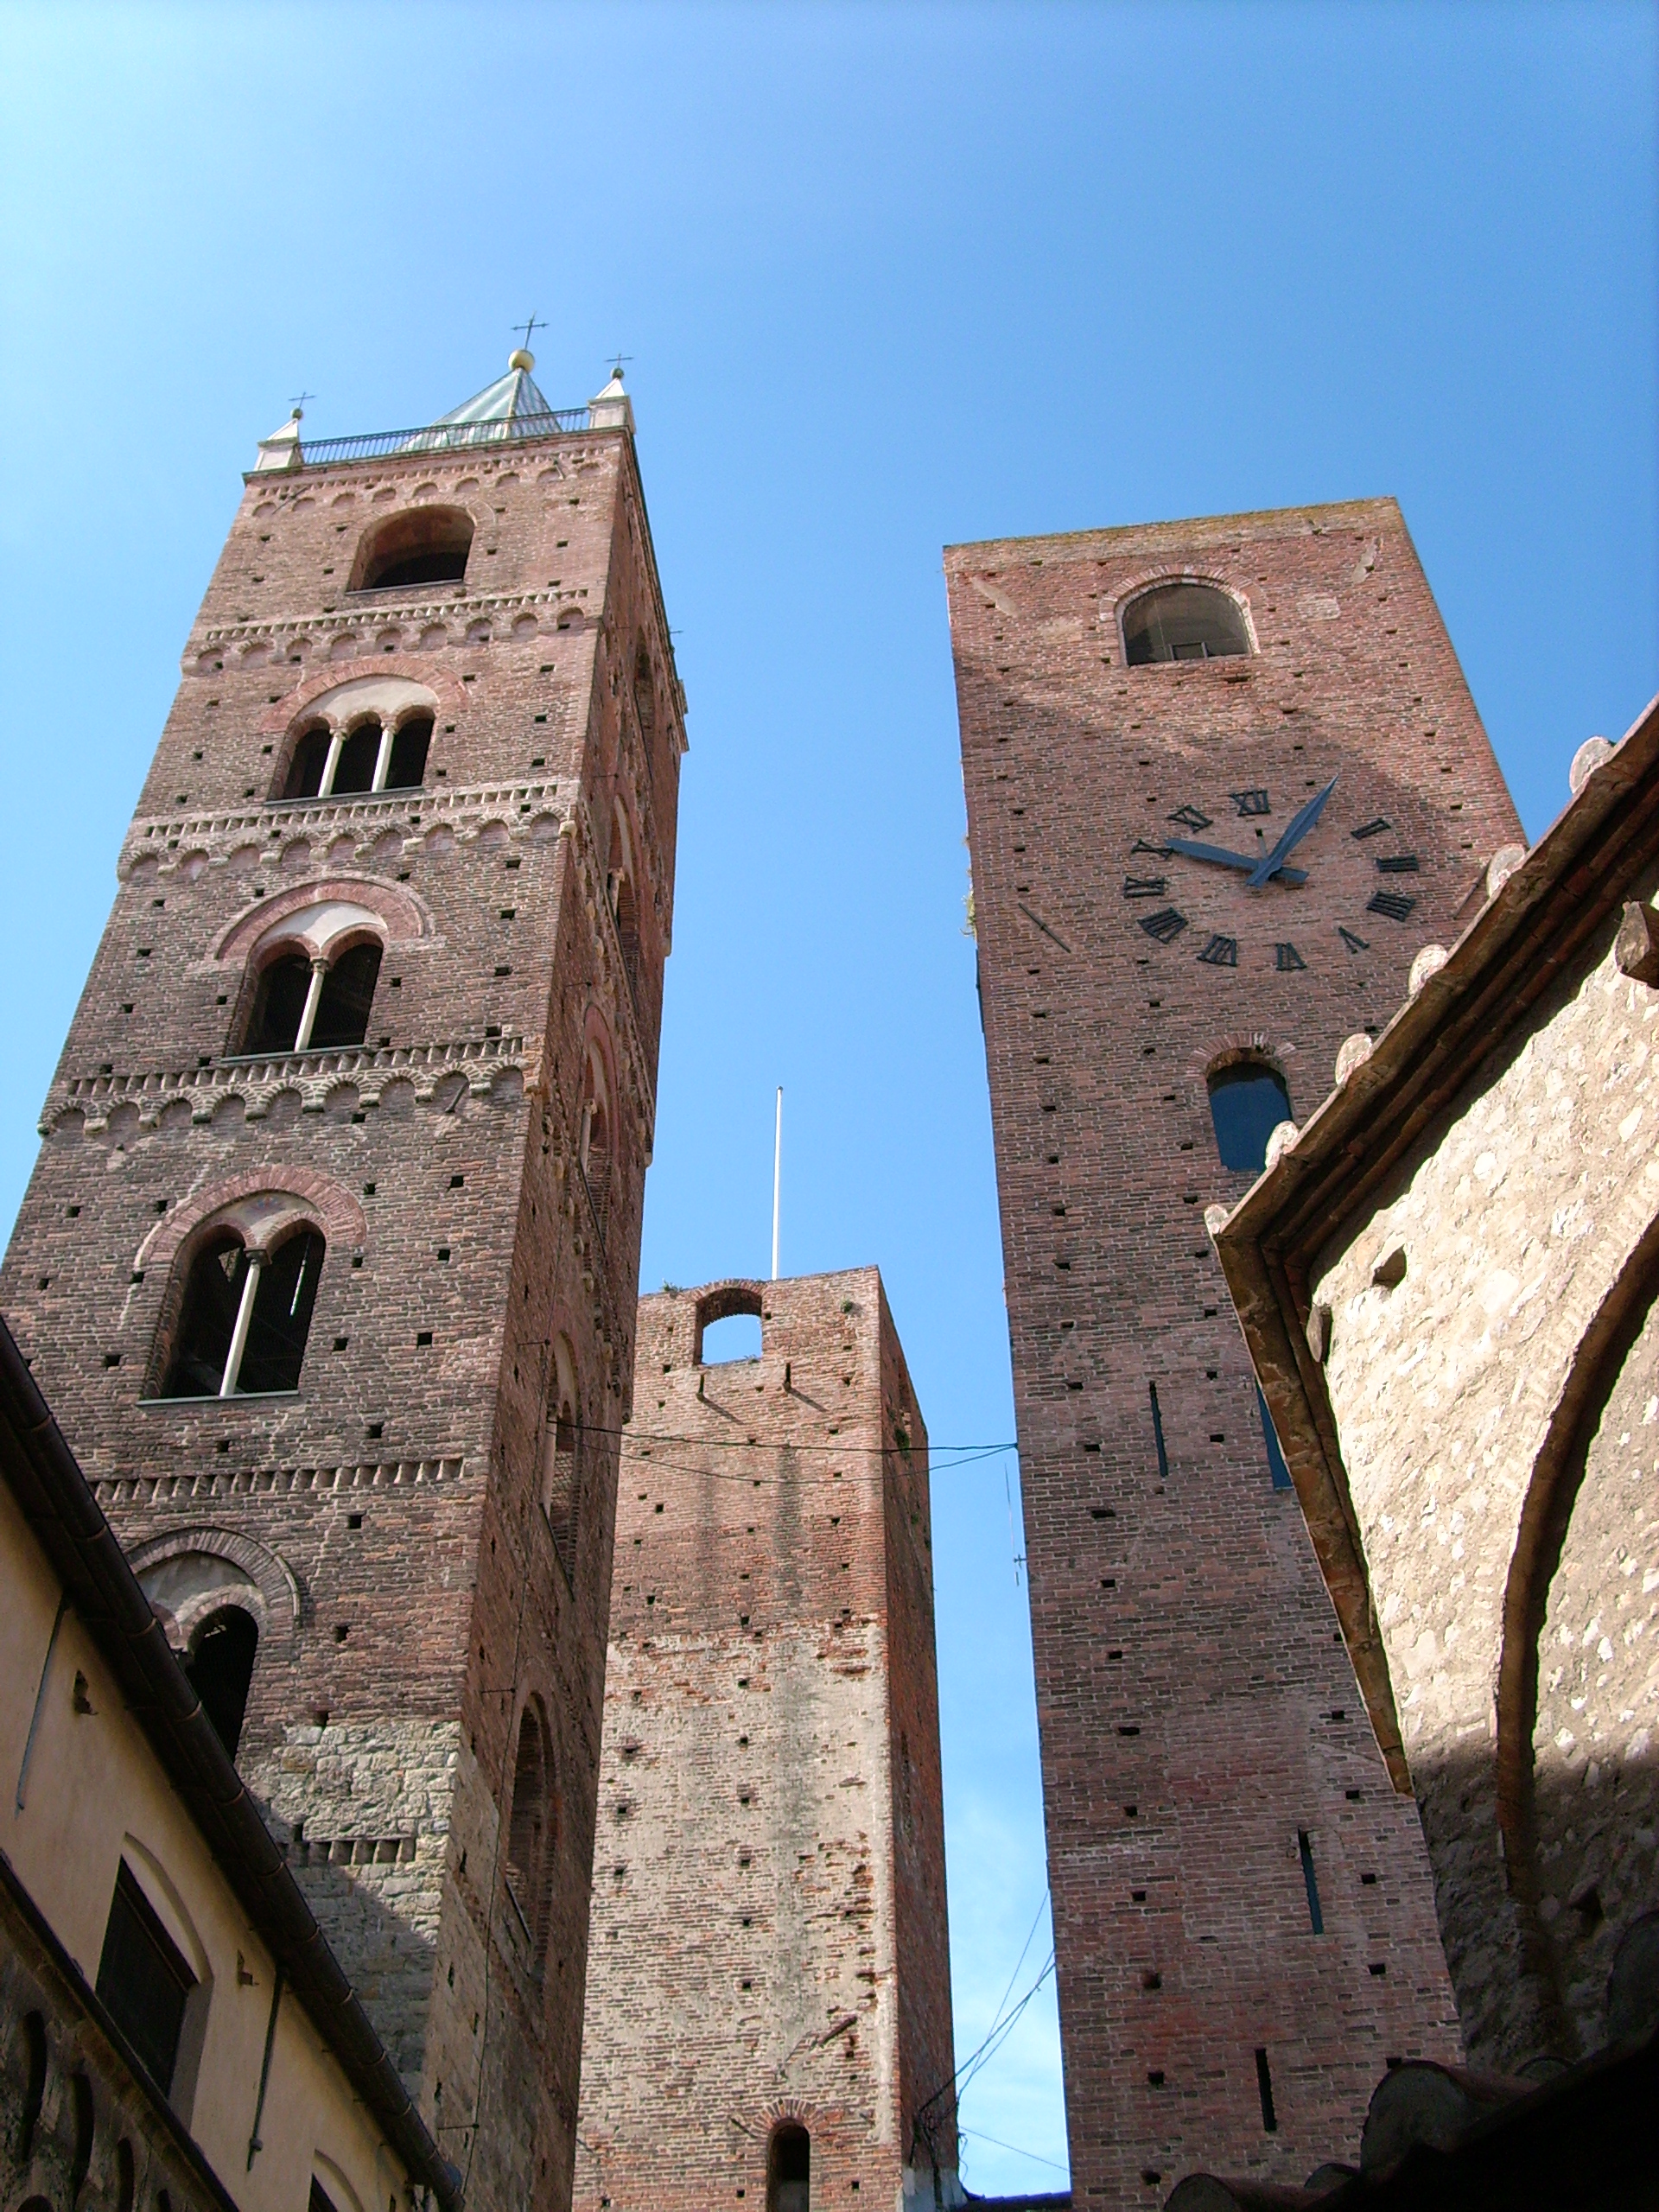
(890, 277)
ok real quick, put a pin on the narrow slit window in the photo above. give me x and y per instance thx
(406, 770)
(789, 2169)
(220, 1668)
(1264, 2086)
(1247, 1103)
(143, 1980)
(1311, 1880)
(1158, 1432)
(1278, 1471)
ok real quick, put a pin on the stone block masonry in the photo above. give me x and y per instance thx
(770, 1946)
(476, 1166)
(1244, 1912)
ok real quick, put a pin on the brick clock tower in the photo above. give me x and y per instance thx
(1224, 779)
(328, 1266)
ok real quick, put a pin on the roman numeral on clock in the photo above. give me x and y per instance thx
(1144, 887)
(1165, 925)
(1397, 864)
(1373, 829)
(1286, 958)
(1389, 903)
(1221, 952)
(1142, 846)
(1250, 802)
(1190, 818)
(1354, 944)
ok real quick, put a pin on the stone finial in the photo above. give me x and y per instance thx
(1586, 761)
(1215, 1220)
(281, 448)
(1636, 949)
(1429, 962)
(1502, 866)
(1351, 1053)
(1280, 1140)
(612, 409)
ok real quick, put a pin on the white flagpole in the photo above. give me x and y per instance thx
(777, 1178)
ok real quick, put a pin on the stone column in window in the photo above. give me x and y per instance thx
(313, 993)
(244, 1317)
(383, 758)
(336, 746)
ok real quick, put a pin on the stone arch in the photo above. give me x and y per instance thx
(1553, 1491)
(272, 1588)
(296, 1191)
(429, 543)
(402, 913)
(283, 717)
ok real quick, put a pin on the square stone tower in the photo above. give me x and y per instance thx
(769, 2002)
(328, 1265)
(1224, 779)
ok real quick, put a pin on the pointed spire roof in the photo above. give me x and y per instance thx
(491, 414)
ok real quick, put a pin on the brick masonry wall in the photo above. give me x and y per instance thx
(1197, 1708)
(1527, 1218)
(397, 1493)
(769, 1920)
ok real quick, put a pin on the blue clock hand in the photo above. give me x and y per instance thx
(1300, 823)
(1219, 853)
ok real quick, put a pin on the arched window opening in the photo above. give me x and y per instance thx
(562, 1458)
(310, 757)
(126, 2176)
(143, 1980)
(245, 1317)
(624, 906)
(728, 1326)
(1248, 1101)
(1183, 622)
(304, 1005)
(530, 1828)
(372, 755)
(428, 545)
(789, 2169)
(345, 999)
(220, 1668)
(595, 1150)
(82, 2118)
(355, 768)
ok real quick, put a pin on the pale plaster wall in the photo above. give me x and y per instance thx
(1519, 1218)
(94, 1792)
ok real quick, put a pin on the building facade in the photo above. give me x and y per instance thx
(1448, 1282)
(769, 2000)
(173, 2030)
(1224, 778)
(328, 1265)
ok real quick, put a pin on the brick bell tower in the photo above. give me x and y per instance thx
(769, 2004)
(1224, 779)
(329, 1263)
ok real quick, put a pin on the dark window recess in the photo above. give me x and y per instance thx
(305, 769)
(1158, 1432)
(279, 1002)
(34, 2084)
(80, 2104)
(406, 770)
(529, 1828)
(1247, 1103)
(1264, 2084)
(220, 1668)
(1277, 1470)
(278, 1328)
(789, 2169)
(426, 545)
(321, 2200)
(343, 1010)
(1183, 622)
(143, 1982)
(1311, 1879)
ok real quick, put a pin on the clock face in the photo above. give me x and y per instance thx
(1224, 879)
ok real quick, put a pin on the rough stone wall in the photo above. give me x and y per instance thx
(1197, 1708)
(769, 1927)
(1526, 1221)
(396, 1494)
